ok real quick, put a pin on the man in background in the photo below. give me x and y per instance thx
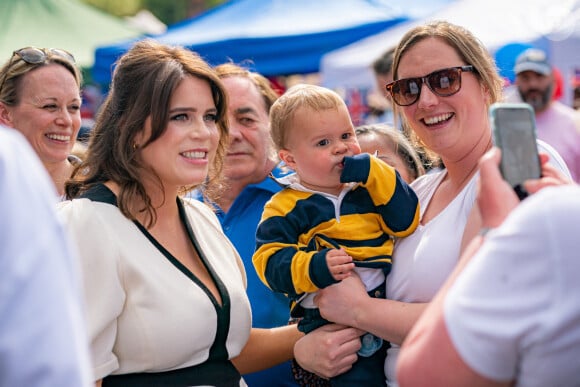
(379, 100)
(556, 123)
(250, 160)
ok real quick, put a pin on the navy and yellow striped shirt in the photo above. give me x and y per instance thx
(298, 227)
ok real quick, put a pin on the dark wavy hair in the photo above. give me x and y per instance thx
(144, 80)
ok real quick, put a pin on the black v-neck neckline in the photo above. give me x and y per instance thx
(181, 267)
(102, 193)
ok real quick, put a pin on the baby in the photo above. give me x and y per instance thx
(338, 213)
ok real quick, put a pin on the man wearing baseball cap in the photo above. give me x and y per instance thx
(556, 122)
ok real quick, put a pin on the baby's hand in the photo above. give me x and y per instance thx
(339, 263)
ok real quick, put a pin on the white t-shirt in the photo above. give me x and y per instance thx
(514, 313)
(423, 260)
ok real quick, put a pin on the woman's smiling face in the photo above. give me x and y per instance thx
(449, 126)
(48, 112)
(182, 155)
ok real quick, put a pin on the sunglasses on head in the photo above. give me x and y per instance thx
(444, 83)
(35, 55)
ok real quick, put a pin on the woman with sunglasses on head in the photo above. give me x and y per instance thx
(40, 97)
(165, 289)
(445, 82)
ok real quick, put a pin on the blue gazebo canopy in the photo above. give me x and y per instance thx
(277, 37)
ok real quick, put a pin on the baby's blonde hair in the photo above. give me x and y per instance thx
(282, 112)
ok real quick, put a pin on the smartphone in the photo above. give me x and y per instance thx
(514, 132)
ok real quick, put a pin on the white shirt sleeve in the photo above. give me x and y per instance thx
(42, 333)
(513, 313)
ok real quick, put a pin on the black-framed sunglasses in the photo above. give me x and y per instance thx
(36, 55)
(444, 83)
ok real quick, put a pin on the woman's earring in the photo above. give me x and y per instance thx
(135, 145)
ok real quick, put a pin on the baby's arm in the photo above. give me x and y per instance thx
(394, 199)
(339, 264)
(280, 260)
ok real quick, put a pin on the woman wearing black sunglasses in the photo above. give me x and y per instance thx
(40, 97)
(445, 80)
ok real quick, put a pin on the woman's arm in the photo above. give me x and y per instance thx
(266, 348)
(325, 351)
(332, 349)
(349, 304)
(428, 356)
(430, 340)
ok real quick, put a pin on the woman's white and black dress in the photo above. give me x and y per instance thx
(151, 321)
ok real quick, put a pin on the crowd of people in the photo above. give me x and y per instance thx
(210, 222)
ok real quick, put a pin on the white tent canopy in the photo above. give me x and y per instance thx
(548, 24)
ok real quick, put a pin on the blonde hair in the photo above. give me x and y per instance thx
(16, 68)
(470, 49)
(282, 113)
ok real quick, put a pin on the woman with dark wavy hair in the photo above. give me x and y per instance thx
(165, 289)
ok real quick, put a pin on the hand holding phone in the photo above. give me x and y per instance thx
(514, 132)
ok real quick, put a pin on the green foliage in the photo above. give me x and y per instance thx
(168, 11)
(116, 7)
(213, 3)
